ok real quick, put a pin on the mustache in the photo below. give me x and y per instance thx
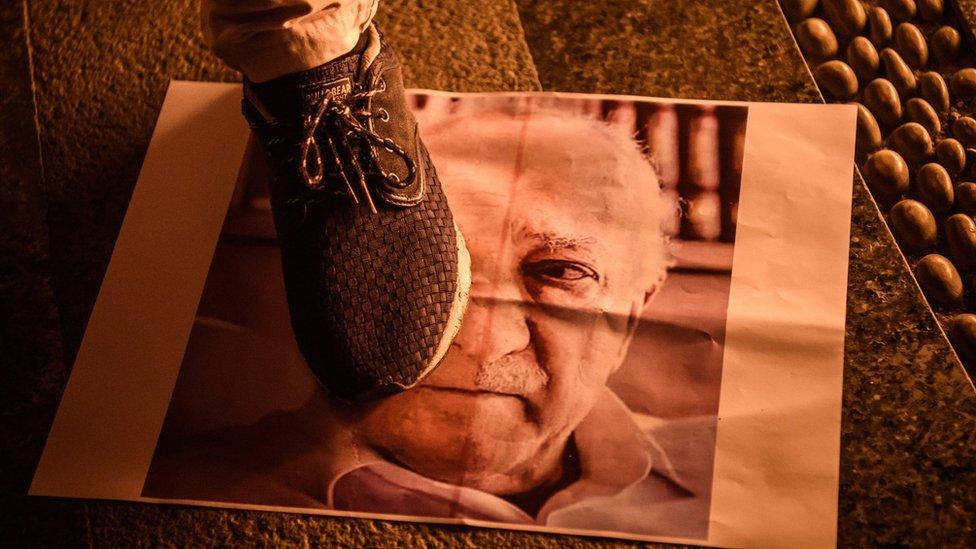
(511, 374)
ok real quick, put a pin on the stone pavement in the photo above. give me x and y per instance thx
(97, 71)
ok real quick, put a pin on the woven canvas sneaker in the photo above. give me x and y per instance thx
(376, 272)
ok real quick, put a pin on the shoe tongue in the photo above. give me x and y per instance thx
(334, 79)
(294, 94)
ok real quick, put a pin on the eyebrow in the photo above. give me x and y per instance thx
(554, 241)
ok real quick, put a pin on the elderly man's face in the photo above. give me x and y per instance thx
(564, 257)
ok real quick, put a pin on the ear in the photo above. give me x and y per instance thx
(650, 294)
(637, 308)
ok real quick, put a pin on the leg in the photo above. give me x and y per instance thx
(265, 39)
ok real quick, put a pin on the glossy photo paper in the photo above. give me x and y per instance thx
(653, 348)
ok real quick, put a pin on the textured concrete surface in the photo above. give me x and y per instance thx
(706, 49)
(30, 346)
(908, 458)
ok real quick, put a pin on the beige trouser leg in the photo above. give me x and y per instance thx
(266, 39)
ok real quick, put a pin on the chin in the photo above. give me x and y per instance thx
(479, 440)
(477, 462)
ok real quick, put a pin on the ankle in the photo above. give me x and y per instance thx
(283, 96)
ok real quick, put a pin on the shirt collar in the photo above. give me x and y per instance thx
(614, 454)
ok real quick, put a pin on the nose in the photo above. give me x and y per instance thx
(494, 325)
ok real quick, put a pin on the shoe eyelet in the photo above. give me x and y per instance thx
(383, 115)
(382, 85)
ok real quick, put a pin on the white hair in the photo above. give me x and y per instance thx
(483, 126)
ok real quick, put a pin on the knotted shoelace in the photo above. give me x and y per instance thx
(340, 120)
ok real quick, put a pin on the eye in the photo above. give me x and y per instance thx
(558, 270)
(563, 283)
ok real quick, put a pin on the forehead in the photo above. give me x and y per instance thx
(545, 169)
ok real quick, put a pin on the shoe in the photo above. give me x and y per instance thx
(376, 271)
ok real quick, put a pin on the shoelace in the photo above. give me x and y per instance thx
(349, 129)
